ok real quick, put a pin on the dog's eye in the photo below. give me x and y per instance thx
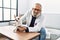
(18, 18)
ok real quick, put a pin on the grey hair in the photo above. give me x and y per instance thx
(37, 4)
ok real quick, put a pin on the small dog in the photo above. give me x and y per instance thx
(17, 22)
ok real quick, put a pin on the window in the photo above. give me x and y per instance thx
(6, 14)
(6, 3)
(13, 12)
(0, 14)
(8, 8)
(0, 3)
(13, 3)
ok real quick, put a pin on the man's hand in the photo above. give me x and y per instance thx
(21, 29)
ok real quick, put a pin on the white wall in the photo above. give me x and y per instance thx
(52, 20)
(22, 6)
(48, 6)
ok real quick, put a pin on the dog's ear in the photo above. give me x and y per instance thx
(14, 16)
(19, 16)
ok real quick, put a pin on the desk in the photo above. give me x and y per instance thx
(8, 31)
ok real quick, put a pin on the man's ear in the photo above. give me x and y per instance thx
(32, 8)
(14, 16)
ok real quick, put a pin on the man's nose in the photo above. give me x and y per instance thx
(35, 10)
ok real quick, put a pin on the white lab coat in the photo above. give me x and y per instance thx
(38, 22)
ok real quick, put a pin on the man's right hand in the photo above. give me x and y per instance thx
(21, 29)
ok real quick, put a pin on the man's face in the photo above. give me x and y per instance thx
(36, 10)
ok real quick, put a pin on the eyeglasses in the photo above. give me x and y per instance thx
(37, 9)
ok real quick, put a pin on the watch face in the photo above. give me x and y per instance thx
(3, 37)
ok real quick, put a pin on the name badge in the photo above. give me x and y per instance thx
(35, 23)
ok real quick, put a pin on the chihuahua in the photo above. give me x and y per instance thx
(17, 22)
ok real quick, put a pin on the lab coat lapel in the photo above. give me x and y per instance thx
(30, 19)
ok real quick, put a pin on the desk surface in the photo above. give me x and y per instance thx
(8, 31)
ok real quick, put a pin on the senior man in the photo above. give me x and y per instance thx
(34, 21)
